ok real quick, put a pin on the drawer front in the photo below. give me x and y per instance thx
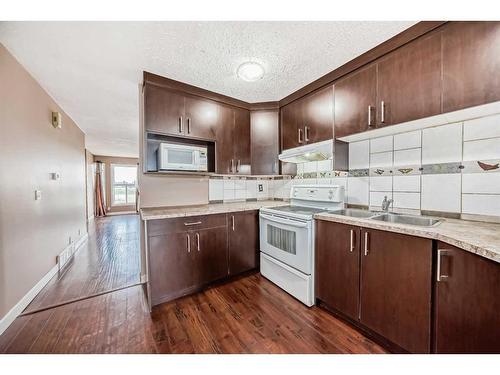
(182, 224)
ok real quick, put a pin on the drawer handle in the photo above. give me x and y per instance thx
(193, 223)
(438, 271)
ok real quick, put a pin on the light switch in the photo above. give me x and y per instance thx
(55, 176)
(38, 195)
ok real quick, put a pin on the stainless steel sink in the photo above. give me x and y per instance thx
(353, 212)
(407, 219)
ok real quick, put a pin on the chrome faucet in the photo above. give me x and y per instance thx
(386, 203)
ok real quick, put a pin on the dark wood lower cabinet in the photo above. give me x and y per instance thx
(243, 241)
(467, 303)
(396, 288)
(337, 267)
(187, 254)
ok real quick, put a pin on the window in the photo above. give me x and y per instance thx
(123, 187)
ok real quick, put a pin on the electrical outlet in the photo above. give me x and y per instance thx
(261, 187)
(38, 195)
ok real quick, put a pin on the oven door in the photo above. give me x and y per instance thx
(287, 240)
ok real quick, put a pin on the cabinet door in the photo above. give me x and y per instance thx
(337, 266)
(409, 82)
(163, 110)
(471, 64)
(467, 303)
(210, 248)
(354, 102)
(224, 143)
(202, 117)
(241, 139)
(243, 241)
(318, 115)
(290, 118)
(264, 141)
(396, 285)
(170, 266)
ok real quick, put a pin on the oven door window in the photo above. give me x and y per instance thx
(282, 239)
(180, 157)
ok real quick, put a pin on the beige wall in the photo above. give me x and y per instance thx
(33, 232)
(107, 161)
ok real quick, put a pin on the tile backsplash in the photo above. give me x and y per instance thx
(240, 188)
(452, 168)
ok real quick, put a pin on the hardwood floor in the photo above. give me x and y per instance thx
(245, 315)
(109, 260)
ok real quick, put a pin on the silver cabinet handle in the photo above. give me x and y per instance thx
(370, 108)
(438, 270)
(188, 125)
(198, 241)
(232, 222)
(306, 133)
(238, 164)
(366, 243)
(232, 166)
(352, 241)
(188, 243)
(180, 124)
(382, 112)
(192, 223)
(300, 136)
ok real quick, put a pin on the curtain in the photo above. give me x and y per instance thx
(100, 204)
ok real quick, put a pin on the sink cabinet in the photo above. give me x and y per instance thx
(467, 303)
(380, 280)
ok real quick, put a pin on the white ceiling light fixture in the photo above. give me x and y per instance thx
(250, 71)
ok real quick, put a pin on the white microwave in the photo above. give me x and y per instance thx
(179, 157)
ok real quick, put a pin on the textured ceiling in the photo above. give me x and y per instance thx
(92, 69)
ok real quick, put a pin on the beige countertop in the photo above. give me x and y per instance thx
(206, 209)
(473, 236)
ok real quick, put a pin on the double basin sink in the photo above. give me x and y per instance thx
(389, 217)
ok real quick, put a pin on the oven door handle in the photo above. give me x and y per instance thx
(281, 220)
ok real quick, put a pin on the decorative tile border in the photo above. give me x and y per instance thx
(359, 172)
(407, 170)
(375, 172)
(442, 168)
(481, 166)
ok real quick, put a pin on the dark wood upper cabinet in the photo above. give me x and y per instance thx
(337, 266)
(242, 141)
(409, 82)
(471, 64)
(396, 288)
(289, 118)
(264, 141)
(355, 102)
(243, 229)
(233, 144)
(467, 303)
(201, 117)
(163, 110)
(317, 115)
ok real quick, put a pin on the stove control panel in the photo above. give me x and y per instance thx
(318, 193)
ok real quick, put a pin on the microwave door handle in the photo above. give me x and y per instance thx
(284, 221)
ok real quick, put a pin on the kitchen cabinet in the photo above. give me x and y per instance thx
(175, 113)
(308, 120)
(233, 144)
(466, 310)
(265, 142)
(337, 266)
(471, 64)
(243, 241)
(185, 254)
(396, 288)
(317, 115)
(355, 101)
(409, 82)
(379, 279)
(163, 110)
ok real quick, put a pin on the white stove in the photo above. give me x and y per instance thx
(287, 238)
